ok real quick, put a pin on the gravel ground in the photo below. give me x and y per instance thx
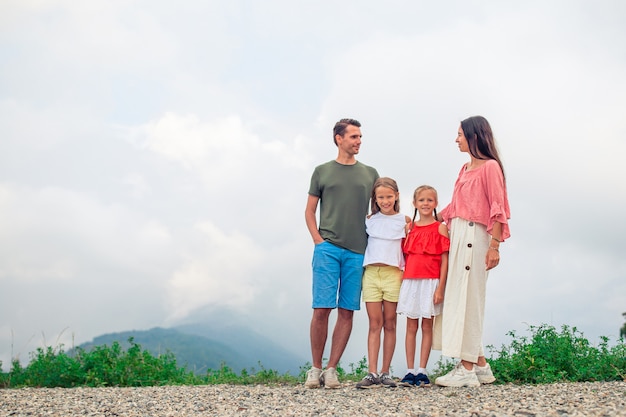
(579, 399)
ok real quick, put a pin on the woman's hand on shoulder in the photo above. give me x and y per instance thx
(407, 226)
(443, 230)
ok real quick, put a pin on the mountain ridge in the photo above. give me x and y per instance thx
(201, 346)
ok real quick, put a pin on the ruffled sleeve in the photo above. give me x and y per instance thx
(385, 227)
(426, 241)
(495, 189)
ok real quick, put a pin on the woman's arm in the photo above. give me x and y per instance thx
(492, 259)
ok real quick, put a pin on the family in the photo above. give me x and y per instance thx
(431, 268)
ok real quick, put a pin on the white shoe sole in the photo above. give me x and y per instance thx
(486, 379)
(458, 384)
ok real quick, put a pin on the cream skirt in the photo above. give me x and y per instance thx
(461, 321)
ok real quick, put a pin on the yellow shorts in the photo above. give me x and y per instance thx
(381, 283)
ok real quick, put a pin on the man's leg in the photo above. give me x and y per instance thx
(349, 300)
(319, 333)
(341, 334)
(326, 273)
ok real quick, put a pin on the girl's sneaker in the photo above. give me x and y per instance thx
(484, 374)
(387, 381)
(408, 380)
(369, 381)
(421, 380)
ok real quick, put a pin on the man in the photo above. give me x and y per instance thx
(342, 187)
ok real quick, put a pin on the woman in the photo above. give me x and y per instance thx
(477, 218)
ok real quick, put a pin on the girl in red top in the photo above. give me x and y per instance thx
(424, 280)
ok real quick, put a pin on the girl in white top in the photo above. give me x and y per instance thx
(384, 263)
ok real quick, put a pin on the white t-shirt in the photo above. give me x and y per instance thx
(384, 242)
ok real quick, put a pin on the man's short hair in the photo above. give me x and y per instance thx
(341, 125)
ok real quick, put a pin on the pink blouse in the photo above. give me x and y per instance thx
(480, 196)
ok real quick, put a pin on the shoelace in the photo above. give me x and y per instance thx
(455, 370)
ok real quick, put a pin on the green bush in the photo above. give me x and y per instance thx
(48, 368)
(545, 356)
(550, 356)
(101, 367)
(112, 366)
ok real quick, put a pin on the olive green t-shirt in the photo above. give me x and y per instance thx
(344, 192)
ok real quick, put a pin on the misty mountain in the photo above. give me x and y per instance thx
(203, 345)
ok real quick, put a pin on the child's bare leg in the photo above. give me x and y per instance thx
(389, 342)
(427, 341)
(410, 341)
(375, 315)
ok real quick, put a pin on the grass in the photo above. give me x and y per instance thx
(546, 355)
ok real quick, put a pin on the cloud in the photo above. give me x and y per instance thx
(95, 36)
(43, 128)
(156, 160)
(223, 271)
(221, 152)
(69, 261)
(53, 233)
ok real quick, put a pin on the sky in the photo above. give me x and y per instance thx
(155, 158)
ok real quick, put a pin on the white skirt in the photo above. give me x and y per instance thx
(416, 298)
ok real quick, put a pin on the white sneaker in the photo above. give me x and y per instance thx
(329, 378)
(313, 378)
(484, 374)
(459, 377)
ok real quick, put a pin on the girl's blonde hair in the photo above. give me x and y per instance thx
(389, 183)
(419, 190)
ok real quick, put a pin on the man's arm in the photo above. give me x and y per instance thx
(311, 219)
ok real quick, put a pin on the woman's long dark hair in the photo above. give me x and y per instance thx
(480, 140)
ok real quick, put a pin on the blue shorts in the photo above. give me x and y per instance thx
(337, 274)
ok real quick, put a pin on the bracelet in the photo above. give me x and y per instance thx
(496, 249)
(497, 240)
